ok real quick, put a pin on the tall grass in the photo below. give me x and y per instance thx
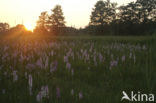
(75, 69)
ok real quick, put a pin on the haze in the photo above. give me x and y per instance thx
(77, 12)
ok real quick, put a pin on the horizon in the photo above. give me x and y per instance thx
(18, 11)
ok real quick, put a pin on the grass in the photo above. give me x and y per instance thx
(93, 72)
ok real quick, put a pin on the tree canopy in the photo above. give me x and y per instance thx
(4, 27)
(56, 18)
(135, 18)
(52, 23)
(103, 13)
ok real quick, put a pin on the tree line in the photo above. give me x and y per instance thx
(53, 23)
(135, 18)
(107, 18)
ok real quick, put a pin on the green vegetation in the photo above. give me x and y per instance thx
(75, 69)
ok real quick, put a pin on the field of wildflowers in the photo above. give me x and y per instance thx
(74, 69)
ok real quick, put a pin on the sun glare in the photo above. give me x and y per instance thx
(29, 27)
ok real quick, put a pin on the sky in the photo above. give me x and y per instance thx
(77, 12)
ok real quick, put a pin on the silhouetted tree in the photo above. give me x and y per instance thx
(129, 13)
(4, 27)
(127, 19)
(135, 18)
(132, 19)
(147, 10)
(103, 13)
(56, 20)
(42, 23)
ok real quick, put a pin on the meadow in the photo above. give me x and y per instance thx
(45, 69)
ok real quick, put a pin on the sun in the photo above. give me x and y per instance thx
(29, 27)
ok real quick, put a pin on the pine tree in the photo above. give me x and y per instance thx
(43, 18)
(57, 18)
(41, 25)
